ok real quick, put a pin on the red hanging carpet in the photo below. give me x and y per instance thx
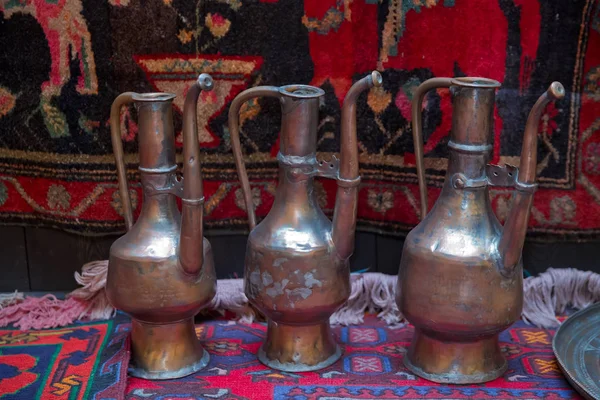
(64, 61)
(89, 361)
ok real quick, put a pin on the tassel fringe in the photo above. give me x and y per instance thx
(43, 312)
(230, 297)
(93, 281)
(9, 299)
(545, 296)
(555, 291)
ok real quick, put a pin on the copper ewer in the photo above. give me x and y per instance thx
(161, 271)
(460, 281)
(297, 271)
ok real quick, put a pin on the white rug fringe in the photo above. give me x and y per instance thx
(9, 299)
(545, 296)
(555, 291)
(230, 297)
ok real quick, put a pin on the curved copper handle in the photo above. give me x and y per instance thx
(117, 144)
(234, 132)
(417, 131)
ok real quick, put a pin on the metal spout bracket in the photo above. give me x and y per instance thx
(502, 175)
(460, 181)
(329, 169)
(302, 168)
(508, 176)
(495, 175)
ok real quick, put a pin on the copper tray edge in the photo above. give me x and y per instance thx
(581, 388)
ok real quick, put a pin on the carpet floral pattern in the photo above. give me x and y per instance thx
(64, 61)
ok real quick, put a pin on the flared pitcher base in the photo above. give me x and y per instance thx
(166, 351)
(445, 361)
(299, 348)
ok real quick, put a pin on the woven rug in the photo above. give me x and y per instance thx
(370, 368)
(89, 361)
(82, 361)
(63, 62)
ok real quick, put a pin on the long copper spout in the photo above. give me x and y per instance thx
(344, 217)
(191, 240)
(234, 133)
(515, 227)
(528, 164)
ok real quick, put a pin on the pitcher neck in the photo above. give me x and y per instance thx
(300, 118)
(471, 139)
(292, 191)
(464, 202)
(472, 117)
(470, 164)
(466, 169)
(158, 206)
(156, 137)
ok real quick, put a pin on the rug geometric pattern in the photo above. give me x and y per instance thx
(82, 361)
(89, 361)
(370, 368)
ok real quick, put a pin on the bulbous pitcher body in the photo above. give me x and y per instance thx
(460, 281)
(294, 276)
(150, 275)
(450, 287)
(297, 271)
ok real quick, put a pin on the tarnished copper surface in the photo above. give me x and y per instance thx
(161, 271)
(460, 280)
(296, 269)
(576, 346)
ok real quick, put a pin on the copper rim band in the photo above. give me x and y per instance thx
(470, 148)
(348, 183)
(193, 201)
(525, 187)
(163, 170)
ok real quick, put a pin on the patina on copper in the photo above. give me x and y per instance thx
(460, 281)
(161, 271)
(297, 270)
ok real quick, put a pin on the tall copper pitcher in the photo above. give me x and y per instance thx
(460, 281)
(161, 271)
(297, 270)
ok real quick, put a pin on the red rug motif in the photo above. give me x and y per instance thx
(370, 368)
(89, 361)
(64, 61)
(83, 361)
